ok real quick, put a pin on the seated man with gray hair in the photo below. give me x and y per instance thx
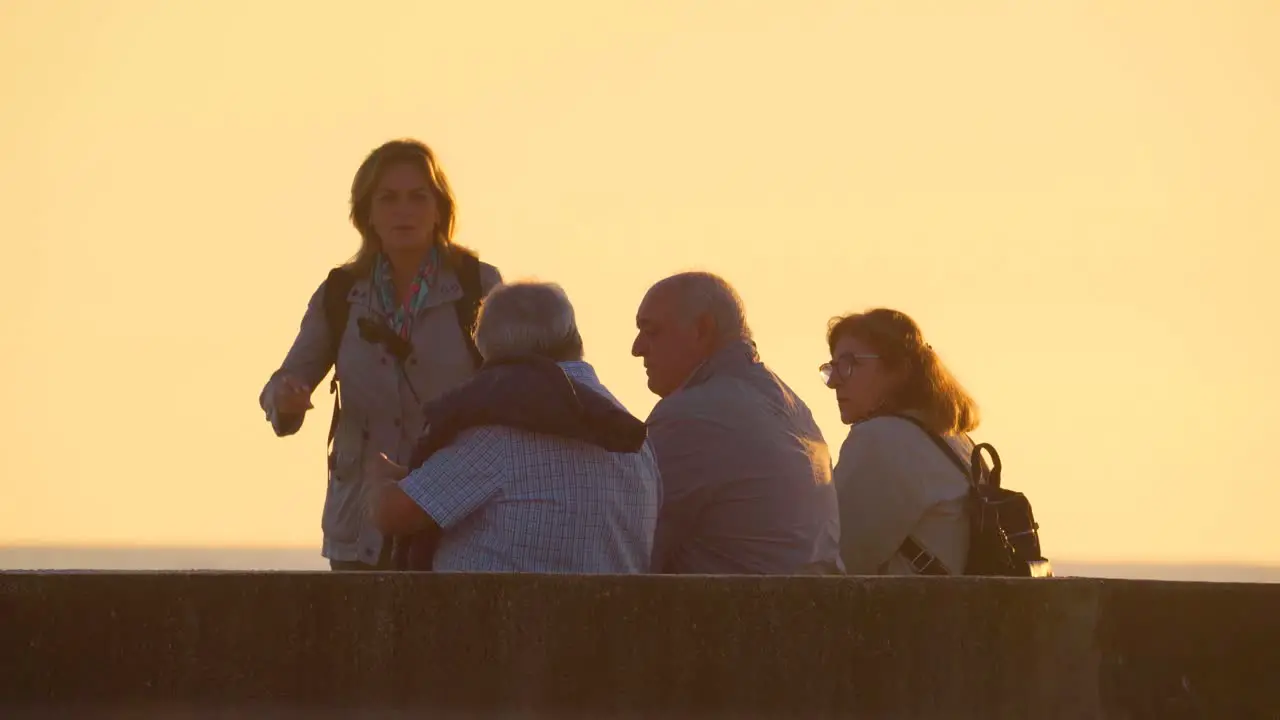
(746, 475)
(532, 465)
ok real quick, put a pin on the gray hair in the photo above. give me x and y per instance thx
(700, 293)
(528, 318)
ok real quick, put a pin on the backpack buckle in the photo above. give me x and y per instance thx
(928, 557)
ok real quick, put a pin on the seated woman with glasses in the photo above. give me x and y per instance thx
(902, 500)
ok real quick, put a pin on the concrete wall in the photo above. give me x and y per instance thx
(394, 645)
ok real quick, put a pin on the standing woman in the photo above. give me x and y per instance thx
(396, 321)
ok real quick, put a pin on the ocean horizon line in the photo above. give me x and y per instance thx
(34, 545)
(49, 556)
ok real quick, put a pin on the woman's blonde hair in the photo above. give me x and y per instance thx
(928, 388)
(395, 152)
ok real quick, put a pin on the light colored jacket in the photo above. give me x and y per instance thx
(380, 412)
(893, 481)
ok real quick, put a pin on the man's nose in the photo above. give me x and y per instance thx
(636, 349)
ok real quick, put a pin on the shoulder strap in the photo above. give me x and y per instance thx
(922, 561)
(336, 308)
(468, 307)
(336, 312)
(972, 471)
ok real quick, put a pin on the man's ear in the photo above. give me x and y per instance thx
(704, 327)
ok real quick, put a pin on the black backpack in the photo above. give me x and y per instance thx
(337, 309)
(1004, 537)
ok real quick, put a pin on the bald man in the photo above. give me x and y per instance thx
(746, 475)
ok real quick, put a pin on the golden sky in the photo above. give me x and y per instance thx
(1075, 199)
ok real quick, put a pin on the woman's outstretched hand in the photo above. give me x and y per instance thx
(292, 396)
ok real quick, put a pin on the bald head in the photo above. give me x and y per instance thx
(703, 294)
(683, 320)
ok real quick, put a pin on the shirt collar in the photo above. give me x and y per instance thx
(728, 359)
(579, 370)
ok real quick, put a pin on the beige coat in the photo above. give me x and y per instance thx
(379, 410)
(893, 481)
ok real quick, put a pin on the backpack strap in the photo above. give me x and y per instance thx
(922, 561)
(336, 312)
(975, 461)
(468, 306)
(972, 471)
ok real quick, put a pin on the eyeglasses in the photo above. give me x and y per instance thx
(842, 367)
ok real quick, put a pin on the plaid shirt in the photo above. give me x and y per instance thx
(517, 501)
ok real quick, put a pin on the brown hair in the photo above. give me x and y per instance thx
(411, 152)
(929, 389)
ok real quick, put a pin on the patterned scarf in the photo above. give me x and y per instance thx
(402, 318)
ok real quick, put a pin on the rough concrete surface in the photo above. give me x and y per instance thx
(316, 645)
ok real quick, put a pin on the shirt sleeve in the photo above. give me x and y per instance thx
(879, 501)
(458, 479)
(490, 277)
(679, 445)
(309, 359)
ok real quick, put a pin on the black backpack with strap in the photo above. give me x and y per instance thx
(1004, 537)
(337, 309)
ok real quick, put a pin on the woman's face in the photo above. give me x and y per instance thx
(859, 377)
(404, 212)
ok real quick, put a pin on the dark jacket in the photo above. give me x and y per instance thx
(527, 393)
